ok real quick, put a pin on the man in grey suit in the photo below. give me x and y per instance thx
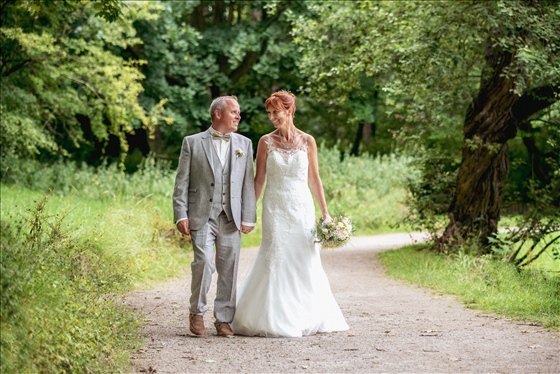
(214, 202)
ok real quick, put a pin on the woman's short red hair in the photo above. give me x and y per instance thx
(282, 100)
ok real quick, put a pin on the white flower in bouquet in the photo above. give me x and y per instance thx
(341, 235)
(334, 231)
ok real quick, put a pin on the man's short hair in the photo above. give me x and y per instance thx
(219, 103)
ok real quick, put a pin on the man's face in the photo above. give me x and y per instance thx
(228, 119)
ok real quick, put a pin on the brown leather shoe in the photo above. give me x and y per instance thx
(197, 325)
(223, 329)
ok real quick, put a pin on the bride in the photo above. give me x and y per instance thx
(286, 292)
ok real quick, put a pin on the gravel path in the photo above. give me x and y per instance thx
(394, 328)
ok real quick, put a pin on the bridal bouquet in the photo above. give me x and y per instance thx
(334, 231)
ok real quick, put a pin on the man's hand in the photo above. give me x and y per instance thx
(246, 229)
(183, 227)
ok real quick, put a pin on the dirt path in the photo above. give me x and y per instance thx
(393, 328)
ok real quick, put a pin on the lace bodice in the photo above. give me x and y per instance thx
(286, 164)
(287, 202)
(275, 142)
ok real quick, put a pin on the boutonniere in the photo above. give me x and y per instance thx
(239, 152)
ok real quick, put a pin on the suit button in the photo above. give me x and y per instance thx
(223, 203)
(224, 194)
(210, 200)
(212, 184)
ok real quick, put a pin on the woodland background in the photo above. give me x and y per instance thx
(435, 116)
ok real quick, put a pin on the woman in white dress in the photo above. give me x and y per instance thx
(286, 292)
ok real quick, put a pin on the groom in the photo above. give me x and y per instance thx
(214, 202)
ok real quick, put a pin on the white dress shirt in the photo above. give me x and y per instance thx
(221, 146)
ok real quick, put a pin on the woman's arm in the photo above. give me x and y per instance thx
(314, 178)
(260, 175)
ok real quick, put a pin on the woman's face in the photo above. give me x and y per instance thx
(279, 118)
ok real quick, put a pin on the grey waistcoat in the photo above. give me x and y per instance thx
(221, 197)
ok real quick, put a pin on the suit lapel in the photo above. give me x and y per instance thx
(232, 154)
(207, 146)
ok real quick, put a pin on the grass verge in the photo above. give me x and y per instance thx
(481, 283)
(65, 264)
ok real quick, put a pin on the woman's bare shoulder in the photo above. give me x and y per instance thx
(309, 139)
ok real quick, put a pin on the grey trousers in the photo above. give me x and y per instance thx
(226, 238)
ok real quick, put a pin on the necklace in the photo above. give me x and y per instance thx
(288, 146)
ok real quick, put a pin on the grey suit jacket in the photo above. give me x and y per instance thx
(194, 183)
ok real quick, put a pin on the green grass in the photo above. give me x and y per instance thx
(370, 190)
(65, 264)
(481, 283)
(75, 238)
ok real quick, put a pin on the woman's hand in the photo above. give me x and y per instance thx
(246, 229)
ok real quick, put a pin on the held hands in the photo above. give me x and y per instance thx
(183, 227)
(246, 229)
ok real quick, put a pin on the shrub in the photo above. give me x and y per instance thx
(371, 190)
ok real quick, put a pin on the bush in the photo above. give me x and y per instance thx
(371, 190)
(154, 177)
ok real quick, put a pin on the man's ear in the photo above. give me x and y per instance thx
(217, 114)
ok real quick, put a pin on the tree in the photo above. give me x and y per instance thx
(496, 61)
(196, 51)
(64, 90)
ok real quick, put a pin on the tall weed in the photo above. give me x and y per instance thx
(103, 183)
(369, 189)
(59, 309)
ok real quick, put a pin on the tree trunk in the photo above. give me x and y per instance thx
(218, 8)
(355, 151)
(491, 120)
(197, 17)
(489, 124)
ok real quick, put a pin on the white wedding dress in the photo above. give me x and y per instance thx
(286, 292)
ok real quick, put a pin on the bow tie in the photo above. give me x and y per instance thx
(224, 137)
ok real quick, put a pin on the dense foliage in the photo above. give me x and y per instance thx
(470, 89)
(487, 70)
(65, 88)
(461, 99)
(78, 85)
